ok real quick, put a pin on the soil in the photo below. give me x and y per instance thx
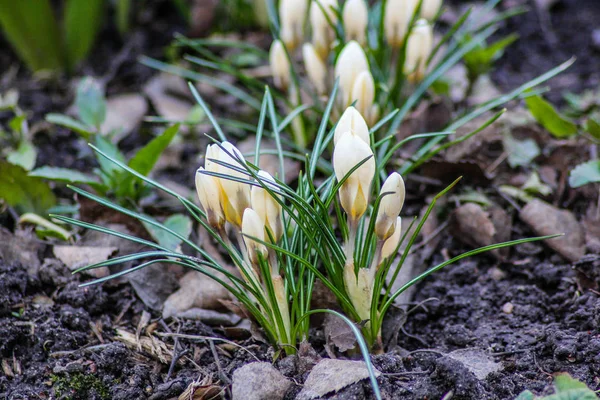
(533, 314)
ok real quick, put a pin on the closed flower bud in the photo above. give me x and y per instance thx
(390, 245)
(267, 208)
(397, 17)
(253, 227)
(322, 32)
(363, 92)
(430, 8)
(351, 121)
(350, 63)
(235, 196)
(280, 65)
(418, 49)
(356, 18)
(291, 16)
(360, 289)
(208, 189)
(349, 151)
(390, 205)
(315, 68)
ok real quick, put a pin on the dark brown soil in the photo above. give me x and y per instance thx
(49, 349)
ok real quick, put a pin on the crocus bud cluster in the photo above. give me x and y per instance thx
(253, 211)
(356, 81)
(410, 44)
(418, 49)
(399, 13)
(351, 149)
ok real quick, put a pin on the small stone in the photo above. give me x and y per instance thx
(259, 381)
(508, 308)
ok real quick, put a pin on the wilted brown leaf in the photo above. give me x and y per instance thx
(546, 219)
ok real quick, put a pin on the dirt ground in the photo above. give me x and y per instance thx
(530, 311)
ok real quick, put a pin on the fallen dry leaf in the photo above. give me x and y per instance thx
(259, 381)
(331, 375)
(149, 344)
(196, 291)
(153, 284)
(201, 389)
(546, 219)
(124, 113)
(79, 256)
(338, 334)
(477, 227)
(166, 105)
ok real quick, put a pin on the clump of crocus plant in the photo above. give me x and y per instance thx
(337, 46)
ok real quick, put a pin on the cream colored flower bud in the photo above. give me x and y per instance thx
(267, 208)
(430, 8)
(280, 65)
(291, 17)
(397, 17)
(253, 227)
(315, 68)
(360, 289)
(355, 17)
(352, 121)
(208, 189)
(390, 245)
(363, 92)
(349, 151)
(235, 196)
(350, 63)
(322, 32)
(418, 49)
(390, 205)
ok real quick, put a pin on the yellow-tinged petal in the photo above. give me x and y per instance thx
(315, 68)
(418, 49)
(322, 32)
(390, 205)
(267, 208)
(349, 151)
(397, 17)
(291, 17)
(350, 63)
(430, 8)
(209, 194)
(280, 65)
(363, 92)
(360, 289)
(391, 243)
(355, 17)
(253, 227)
(352, 121)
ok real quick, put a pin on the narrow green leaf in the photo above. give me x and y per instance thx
(585, 173)
(82, 21)
(70, 123)
(593, 128)
(549, 118)
(31, 28)
(64, 175)
(145, 159)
